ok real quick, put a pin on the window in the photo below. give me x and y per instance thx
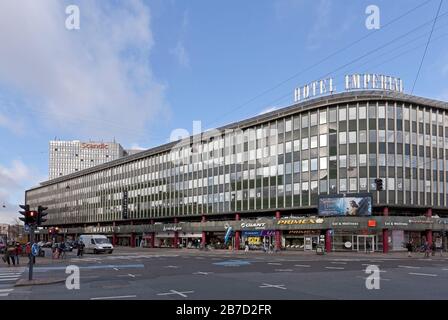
(304, 121)
(304, 165)
(343, 185)
(342, 137)
(313, 119)
(353, 184)
(322, 117)
(362, 112)
(342, 114)
(352, 137)
(342, 161)
(313, 164)
(323, 163)
(352, 113)
(323, 140)
(313, 142)
(304, 143)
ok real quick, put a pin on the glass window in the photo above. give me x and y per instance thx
(342, 161)
(288, 125)
(313, 142)
(352, 113)
(342, 114)
(304, 143)
(323, 140)
(313, 119)
(342, 137)
(362, 136)
(304, 121)
(381, 112)
(322, 117)
(362, 112)
(353, 184)
(362, 159)
(304, 165)
(323, 163)
(297, 167)
(362, 184)
(352, 137)
(313, 164)
(343, 185)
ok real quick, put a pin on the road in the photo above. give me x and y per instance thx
(191, 274)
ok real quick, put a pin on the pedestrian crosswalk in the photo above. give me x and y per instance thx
(8, 278)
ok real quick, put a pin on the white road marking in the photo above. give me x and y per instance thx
(339, 262)
(116, 297)
(4, 294)
(203, 273)
(409, 267)
(6, 290)
(181, 293)
(423, 274)
(337, 268)
(278, 286)
(175, 267)
(302, 265)
(284, 270)
(274, 263)
(9, 279)
(116, 269)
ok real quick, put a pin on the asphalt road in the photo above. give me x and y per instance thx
(165, 274)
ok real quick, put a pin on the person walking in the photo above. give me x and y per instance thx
(409, 247)
(427, 249)
(10, 254)
(80, 249)
(433, 248)
(18, 252)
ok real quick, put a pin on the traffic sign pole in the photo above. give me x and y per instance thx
(30, 275)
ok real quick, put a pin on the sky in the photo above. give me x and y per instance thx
(137, 70)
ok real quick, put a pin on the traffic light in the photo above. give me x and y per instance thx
(379, 184)
(29, 217)
(40, 214)
(24, 212)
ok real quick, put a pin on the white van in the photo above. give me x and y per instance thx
(96, 243)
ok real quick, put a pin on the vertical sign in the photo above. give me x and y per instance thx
(125, 205)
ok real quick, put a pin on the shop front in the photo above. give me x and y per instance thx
(190, 240)
(304, 240)
(258, 239)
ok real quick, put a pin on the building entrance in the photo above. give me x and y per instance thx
(365, 243)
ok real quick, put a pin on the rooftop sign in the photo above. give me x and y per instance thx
(367, 81)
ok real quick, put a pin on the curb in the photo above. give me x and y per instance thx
(36, 282)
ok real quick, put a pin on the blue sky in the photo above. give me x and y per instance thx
(137, 70)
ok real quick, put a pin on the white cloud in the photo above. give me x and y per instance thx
(180, 51)
(13, 180)
(270, 109)
(136, 146)
(321, 26)
(16, 126)
(97, 80)
(181, 54)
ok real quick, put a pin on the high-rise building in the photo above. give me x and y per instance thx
(72, 156)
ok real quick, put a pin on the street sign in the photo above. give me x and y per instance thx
(35, 250)
(27, 228)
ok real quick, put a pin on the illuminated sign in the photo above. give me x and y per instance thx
(174, 228)
(94, 146)
(371, 223)
(300, 221)
(365, 81)
(257, 225)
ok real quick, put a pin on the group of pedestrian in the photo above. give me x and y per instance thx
(427, 248)
(12, 252)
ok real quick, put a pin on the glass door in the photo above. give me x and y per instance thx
(365, 243)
